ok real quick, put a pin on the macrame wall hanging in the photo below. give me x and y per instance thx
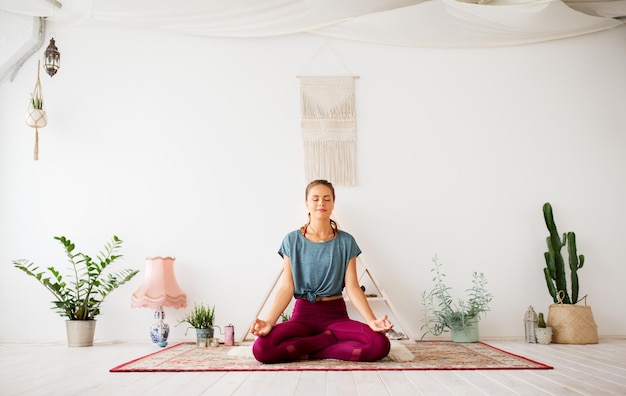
(329, 128)
(36, 117)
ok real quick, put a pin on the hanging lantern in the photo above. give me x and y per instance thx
(530, 323)
(52, 58)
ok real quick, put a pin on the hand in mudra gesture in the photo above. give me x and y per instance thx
(381, 325)
(260, 328)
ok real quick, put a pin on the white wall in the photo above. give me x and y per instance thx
(191, 147)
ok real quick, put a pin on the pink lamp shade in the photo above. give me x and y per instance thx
(159, 287)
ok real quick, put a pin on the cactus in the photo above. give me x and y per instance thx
(541, 323)
(555, 266)
(554, 271)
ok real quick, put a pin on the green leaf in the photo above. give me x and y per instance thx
(88, 287)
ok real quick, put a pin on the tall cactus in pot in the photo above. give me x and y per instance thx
(556, 278)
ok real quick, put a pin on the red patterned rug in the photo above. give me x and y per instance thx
(428, 355)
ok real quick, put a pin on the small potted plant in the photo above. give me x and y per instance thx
(442, 313)
(37, 117)
(543, 333)
(200, 318)
(78, 296)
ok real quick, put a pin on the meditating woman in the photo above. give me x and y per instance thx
(319, 262)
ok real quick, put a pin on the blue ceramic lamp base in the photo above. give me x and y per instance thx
(160, 330)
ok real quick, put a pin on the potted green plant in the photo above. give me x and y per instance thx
(543, 333)
(37, 117)
(571, 323)
(200, 318)
(442, 313)
(79, 295)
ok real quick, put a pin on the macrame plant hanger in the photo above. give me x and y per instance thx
(36, 113)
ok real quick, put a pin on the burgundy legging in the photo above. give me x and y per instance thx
(321, 330)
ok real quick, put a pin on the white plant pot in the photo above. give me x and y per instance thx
(543, 335)
(37, 118)
(80, 332)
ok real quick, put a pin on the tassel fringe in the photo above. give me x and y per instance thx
(330, 159)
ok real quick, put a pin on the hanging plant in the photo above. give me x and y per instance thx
(36, 117)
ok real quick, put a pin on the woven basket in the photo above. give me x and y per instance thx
(572, 324)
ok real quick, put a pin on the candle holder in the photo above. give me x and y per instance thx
(530, 323)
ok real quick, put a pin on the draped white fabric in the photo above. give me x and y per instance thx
(463, 25)
(417, 23)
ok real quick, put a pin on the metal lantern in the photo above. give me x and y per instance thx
(52, 59)
(530, 323)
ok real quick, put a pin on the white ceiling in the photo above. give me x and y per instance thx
(415, 23)
(430, 23)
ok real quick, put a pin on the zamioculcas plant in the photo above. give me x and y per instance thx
(79, 294)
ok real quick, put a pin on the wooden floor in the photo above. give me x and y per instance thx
(46, 369)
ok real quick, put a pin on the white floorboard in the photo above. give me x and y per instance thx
(54, 369)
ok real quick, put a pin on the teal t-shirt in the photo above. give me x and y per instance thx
(318, 268)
